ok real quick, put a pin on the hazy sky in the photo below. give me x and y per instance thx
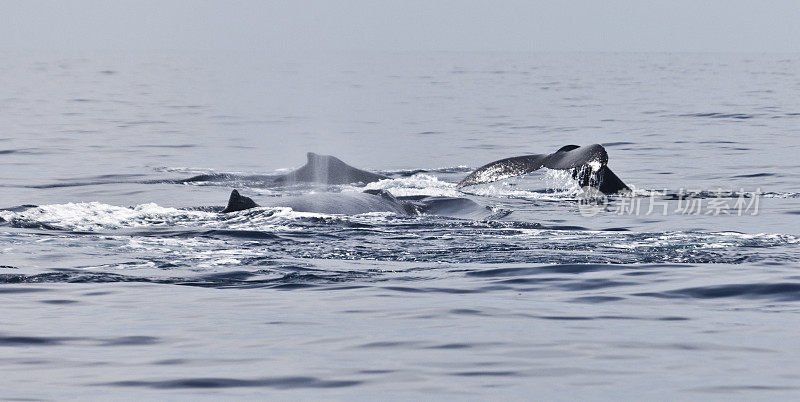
(407, 25)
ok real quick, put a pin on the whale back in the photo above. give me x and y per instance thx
(372, 201)
(328, 203)
(340, 203)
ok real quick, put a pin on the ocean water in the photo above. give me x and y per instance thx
(119, 280)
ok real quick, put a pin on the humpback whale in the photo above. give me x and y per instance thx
(371, 201)
(319, 169)
(330, 203)
(589, 165)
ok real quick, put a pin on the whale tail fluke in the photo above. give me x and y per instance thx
(503, 169)
(589, 164)
(238, 202)
(603, 179)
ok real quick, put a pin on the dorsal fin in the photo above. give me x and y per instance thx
(328, 170)
(316, 159)
(311, 157)
(238, 202)
(566, 148)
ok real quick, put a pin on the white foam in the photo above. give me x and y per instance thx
(184, 169)
(559, 185)
(95, 215)
(418, 184)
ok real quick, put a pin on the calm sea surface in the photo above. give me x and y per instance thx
(122, 282)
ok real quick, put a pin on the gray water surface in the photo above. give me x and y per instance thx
(123, 281)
